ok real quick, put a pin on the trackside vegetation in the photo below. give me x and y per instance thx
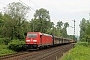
(17, 45)
(4, 50)
(14, 26)
(12, 47)
(80, 52)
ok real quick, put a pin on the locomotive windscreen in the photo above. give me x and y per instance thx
(31, 35)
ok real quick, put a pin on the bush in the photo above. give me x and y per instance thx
(83, 40)
(16, 45)
(4, 50)
(82, 44)
(88, 41)
(5, 41)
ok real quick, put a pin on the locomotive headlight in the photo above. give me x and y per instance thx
(34, 40)
(27, 40)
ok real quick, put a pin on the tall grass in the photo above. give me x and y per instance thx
(4, 50)
(80, 52)
(11, 47)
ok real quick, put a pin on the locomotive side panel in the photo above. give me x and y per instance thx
(47, 40)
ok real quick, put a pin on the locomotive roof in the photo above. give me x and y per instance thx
(41, 33)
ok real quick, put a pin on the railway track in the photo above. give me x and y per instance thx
(15, 55)
(12, 55)
(50, 54)
(46, 54)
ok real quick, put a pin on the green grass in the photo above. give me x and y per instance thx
(14, 44)
(4, 50)
(80, 52)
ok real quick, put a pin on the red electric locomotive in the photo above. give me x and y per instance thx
(36, 39)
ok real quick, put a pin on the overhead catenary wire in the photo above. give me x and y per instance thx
(27, 5)
(34, 3)
(3, 3)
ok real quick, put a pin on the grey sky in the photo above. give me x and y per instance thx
(63, 10)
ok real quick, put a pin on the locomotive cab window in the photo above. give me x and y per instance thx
(31, 35)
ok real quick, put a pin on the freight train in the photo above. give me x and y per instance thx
(36, 40)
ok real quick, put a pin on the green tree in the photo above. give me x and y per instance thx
(41, 21)
(87, 32)
(59, 27)
(51, 29)
(59, 24)
(17, 12)
(66, 25)
(83, 26)
(1, 23)
(64, 30)
(5, 28)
